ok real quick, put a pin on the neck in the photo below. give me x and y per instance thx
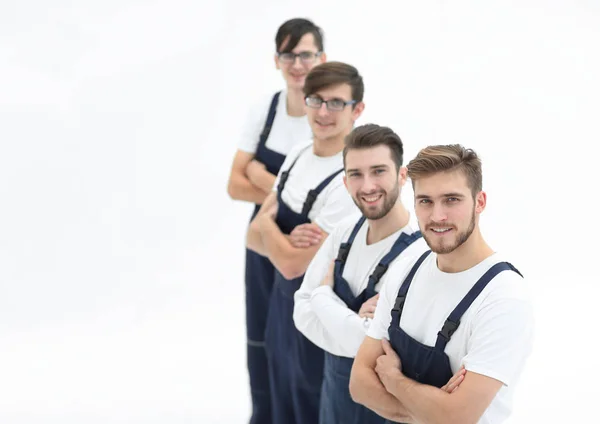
(295, 102)
(329, 146)
(467, 255)
(393, 221)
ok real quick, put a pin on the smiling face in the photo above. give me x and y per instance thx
(294, 72)
(333, 124)
(447, 211)
(373, 180)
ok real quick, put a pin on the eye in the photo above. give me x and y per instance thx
(336, 103)
(379, 171)
(307, 55)
(353, 174)
(452, 199)
(314, 101)
(424, 201)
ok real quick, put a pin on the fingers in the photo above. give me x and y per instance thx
(306, 236)
(387, 348)
(366, 308)
(302, 241)
(310, 229)
(455, 381)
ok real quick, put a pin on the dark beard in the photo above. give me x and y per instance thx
(389, 201)
(462, 238)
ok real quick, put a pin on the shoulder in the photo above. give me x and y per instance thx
(507, 284)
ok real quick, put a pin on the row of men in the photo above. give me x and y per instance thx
(334, 334)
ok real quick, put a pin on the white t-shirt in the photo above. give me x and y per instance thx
(334, 203)
(285, 132)
(495, 335)
(319, 313)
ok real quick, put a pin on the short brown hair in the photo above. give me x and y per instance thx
(334, 73)
(447, 158)
(295, 29)
(372, 135)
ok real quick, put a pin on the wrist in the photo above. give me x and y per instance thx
(401, 382)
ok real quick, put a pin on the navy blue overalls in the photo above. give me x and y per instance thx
(336, 404)
(426, 364)
(259, 284)
(295, 363)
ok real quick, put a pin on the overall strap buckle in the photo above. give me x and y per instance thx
(343, 252)
(311, 197)
(399, 304)
(448, 329)
(282, 181)
(380, 269)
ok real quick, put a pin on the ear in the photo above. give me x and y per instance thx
(402, 176)
(480, 201)
(345, 181)
(357, 111)
(276, 61)
(323, 58)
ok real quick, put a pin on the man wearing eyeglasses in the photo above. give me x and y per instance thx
(310, 197)
(273, 128)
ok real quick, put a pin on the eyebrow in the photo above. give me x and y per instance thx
(424, 196)
(371, 167)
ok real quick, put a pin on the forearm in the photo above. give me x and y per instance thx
(241, 188)
(339, 320)
(279, 249)
(427, 404)
(254, 240)
(262, 179)
(366, 389)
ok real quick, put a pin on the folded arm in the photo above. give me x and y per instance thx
(265, 238)
(239, 186)
(429, 404)
(367, 389)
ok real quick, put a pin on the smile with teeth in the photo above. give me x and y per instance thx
(323, 124)
(371, 199)
(441, 230)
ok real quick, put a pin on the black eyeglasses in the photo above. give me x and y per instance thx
(305, 57)
(331, 104)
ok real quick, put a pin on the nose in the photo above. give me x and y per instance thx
(323, 111)
(297, 63)
(438, 213)
(369, 185)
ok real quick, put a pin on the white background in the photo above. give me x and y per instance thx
(121, 256)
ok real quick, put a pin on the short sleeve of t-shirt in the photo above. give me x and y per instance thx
(254, 124)
(502, 332)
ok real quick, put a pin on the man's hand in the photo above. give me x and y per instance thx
(388, 367)
(452, 385)
(367, 310)
(271, 211)
(253, 169)
(328, 280)
(306, 235)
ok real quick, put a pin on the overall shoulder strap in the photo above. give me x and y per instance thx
(264, 135)
(453, 320)
(401, 243)
(344, 249)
